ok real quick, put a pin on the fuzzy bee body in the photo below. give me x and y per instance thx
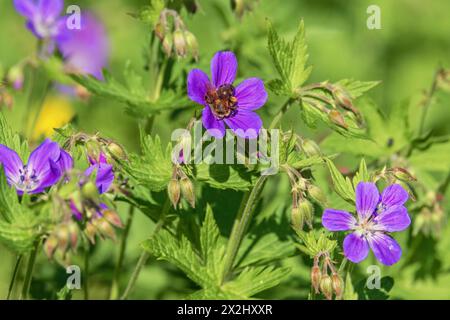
(222, 101)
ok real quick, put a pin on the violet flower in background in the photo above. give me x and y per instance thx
(104, 171)
(43, 17)
(377, 216)
(46, 165)
(86, 50)
(225, 104)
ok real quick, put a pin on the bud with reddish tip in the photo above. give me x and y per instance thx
(338, 285)
(337, 118)
(50, 245)
(15, 77)
(90, 231)
(113, 218)
(326, 286)
(105, 228)
(174, 191)
(62, 233)
(316, 276)
(187, 189)
(73, 235)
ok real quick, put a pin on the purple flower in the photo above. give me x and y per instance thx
(43, 17)
(46, 165)
(86, 50)
(377, 216)
(104, 171)
(225, 104)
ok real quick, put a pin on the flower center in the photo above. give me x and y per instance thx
(222, 101)
(27, 179)
(365, 227)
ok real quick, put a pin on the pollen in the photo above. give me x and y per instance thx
(222, 101)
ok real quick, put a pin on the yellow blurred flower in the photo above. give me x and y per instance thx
(55, 113)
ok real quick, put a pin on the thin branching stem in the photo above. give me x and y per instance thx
(29, 272)
(14, 276)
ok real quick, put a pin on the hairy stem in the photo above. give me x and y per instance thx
(427, 102)
(241, 224)
(114, 293)
(144, 255)
(29, 273)
(14, 276)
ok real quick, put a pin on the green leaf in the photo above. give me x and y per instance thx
(11, 139)
(362, 174)
(223, 176)
(357, 88)
(150, 14)
(315, 242)
(349, 291)
(289, 59)
(342, 185)
(153, 169)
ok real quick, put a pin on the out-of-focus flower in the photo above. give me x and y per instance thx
(104, 171)
(55, 113)
(376, 217)
(225, 104)
(43, 17)
(46, 165)
(85, 50)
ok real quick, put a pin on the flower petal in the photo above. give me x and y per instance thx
(394, 195)
(26, 8)
(65, 161)
(367, 199)
(197, 85)
(48, 177)
(39, 158)
(245, 124)
(223, 68)
(11, 163)
(105, 176)
(385, 248)
(50, 9)
(356, 248)
(215, 128)
(251, 94)
(393, 219)
(337, 220)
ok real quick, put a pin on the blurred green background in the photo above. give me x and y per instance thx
(404, 54)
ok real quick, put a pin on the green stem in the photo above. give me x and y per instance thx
(14, 276)
(29, 272)
(427, 102)
(144, 255)
(280, 114)
(241, 224)
(114, 293)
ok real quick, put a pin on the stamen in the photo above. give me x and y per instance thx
(222, 101)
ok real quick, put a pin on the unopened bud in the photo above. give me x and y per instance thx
(192, 44)
(160, 30)
(326, 286)
(15, 77)
(338, 284)
(90, 231)
(403, 174)
(50, 245)
(89, 190)
(105, 228)
(62, 233)
(307, 211)
(310, 148)
(337, 118)
(316, 275)
(344, 100)
(317, 194)
(297, 219)
(116, 150)
(174, 192)
(73, 235)
(93, 149)
(187, 189)
(6, 99)
(179, 42)
(113, 218)
(167, 44)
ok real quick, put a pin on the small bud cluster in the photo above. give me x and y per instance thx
(64, 237)
(322, 282)
(174, 36)
(443, 79)
(240, 7)
(431, 218)
(302, 189)
(181, 185)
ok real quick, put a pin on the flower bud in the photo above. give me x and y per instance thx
(174, 192)
(310, 148)
(307, 211)
(105, 228)
(337, 284)
(6, 99)
(316, 275)
(90, 231)
(116, 150)
(160, 30)
(15, 77)
(297, 220)
(187, 189)
(73, 235)
(192, 44)
(326, 286)
(113, 218)
(62, 233)
(403, 174)
(179, 42)
(93, 149)
(89, 190)
(50, 245)
(317, 195)
(337, 118)
(167, 44)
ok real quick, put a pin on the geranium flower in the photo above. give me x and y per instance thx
(377, 216)
(46, 165)
(43, 17)
(225, 104)
(104, 171)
